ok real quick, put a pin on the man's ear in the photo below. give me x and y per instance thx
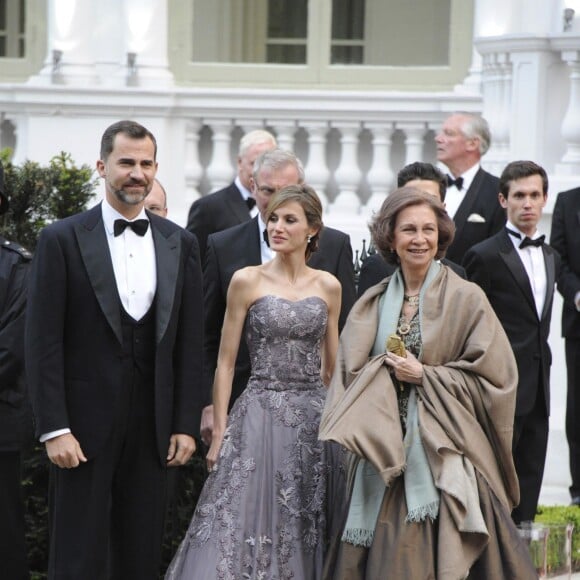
(502, 200)
(101, 168)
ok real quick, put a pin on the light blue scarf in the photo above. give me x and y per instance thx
(368, 489)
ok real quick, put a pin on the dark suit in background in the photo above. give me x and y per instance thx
(480, 201)
(565, 239)
(216, 212)
(495, 265)
(375, 268)
(238, 247)
(123, 387)
(15, 414)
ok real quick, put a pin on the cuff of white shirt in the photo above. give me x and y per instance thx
(577, 300)
(46, 436)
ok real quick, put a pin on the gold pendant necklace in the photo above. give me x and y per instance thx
(404, 328)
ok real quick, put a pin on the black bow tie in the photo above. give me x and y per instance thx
(458, 183)
(251, 203)
(538, 242)
(138, 226)
(265, 236)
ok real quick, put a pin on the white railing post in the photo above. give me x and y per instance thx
(220, 171)
(193, 170)
(380, 175)
(317, 172)
(348, 174)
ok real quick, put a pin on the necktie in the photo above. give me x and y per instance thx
(138, 226)
(265, 236)
(458, 183)
(538, 242)
(250, 202)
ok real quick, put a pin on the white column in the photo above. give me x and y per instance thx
(220, 171)
(284, 133)
(317, 172)
(348, 174)
(70, 56)
(570, 162)
(193, 170)
(145, 34)
(380, 175)
(414, 140)
(248, 125)
(497, 89)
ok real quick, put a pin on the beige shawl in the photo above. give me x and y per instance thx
(466, 407)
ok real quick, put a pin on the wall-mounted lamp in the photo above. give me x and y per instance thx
(56, 61)
(131, 67)
(568, 18)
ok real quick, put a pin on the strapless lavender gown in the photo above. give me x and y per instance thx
(262, 512)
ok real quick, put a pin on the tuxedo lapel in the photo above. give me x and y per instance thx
(236, 204)
(550, 280)
(253, 246)
(516, 268)
(96, 256)
(167, 255)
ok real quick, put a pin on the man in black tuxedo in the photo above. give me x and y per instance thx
(423, 176)
(565, 239)
(471, 198)
(245, 245)
(15, 415)
(518, 272)
(114, 359)
(235, 203)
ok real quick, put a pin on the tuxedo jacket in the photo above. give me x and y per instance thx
(375, 268)
(73, 339)
(238, 247)
(495, 265)
(478, 217)
(216, 212)
(565, 239)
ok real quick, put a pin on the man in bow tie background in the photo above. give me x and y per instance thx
(517, 271)
(565, 239)
(244, 245)
(114, 363)
(471, 197)
(235, 203)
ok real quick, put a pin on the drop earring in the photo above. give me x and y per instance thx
(308, 239)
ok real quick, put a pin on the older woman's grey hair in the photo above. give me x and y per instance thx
(383, 224)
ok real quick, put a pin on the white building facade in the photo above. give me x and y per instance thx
(357, 88)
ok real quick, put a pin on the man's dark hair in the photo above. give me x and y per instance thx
(129, 128)
(519, 170)
(425, 171)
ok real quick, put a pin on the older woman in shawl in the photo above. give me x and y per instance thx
(432, 481)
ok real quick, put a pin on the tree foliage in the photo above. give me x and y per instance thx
(40, 194)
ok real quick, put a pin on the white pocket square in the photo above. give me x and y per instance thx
(475, 218)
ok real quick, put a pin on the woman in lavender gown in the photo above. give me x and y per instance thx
(262, 512)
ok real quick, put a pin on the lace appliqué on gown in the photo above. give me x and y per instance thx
(262, 511)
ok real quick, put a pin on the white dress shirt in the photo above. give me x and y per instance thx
(265, 251)
(533, 259)
(454, 196)
(133, 259)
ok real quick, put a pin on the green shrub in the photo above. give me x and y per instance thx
(551, 515)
